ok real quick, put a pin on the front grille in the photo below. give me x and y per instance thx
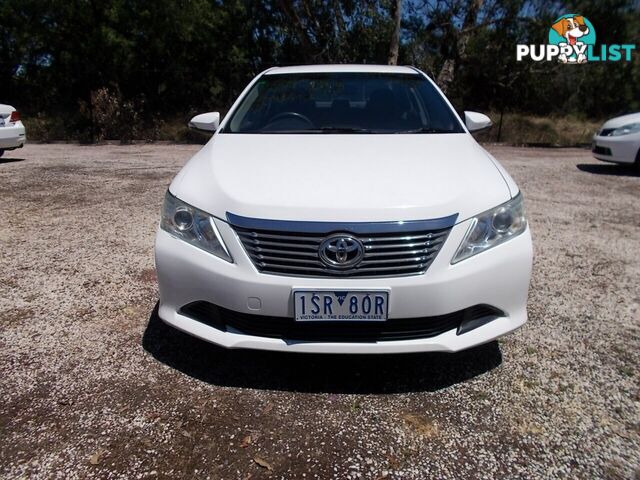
(386, 254)
(601, 150)
(332, 331)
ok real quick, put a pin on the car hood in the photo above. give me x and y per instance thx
(343, 178)
(622, 121)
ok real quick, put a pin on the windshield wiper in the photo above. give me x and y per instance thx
(341, 130)
(425, 130)
(353, 130)
(318, 130)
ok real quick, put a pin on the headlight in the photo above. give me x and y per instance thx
(493, 228)
(626, 129)
(193, 226)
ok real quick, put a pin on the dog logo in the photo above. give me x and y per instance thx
(573, 34)
(572, 40)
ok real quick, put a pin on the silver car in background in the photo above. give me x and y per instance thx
(618, 140)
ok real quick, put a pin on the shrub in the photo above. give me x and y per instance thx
(110, 116)
(41, 128)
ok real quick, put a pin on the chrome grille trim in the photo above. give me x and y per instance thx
(387, 252)
(351, 227)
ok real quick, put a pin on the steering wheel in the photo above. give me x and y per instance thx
(296, 115)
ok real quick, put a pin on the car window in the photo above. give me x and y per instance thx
(343, 103)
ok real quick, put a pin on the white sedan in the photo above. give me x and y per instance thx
(343, 209)
(618, 140)
(12, 132)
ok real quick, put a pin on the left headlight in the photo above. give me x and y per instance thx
(492, 228)
(193, 226)
(626, 129)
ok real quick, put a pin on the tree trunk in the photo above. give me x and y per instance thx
(446, 76)
(394, 47)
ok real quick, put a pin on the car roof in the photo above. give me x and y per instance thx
(341, 69)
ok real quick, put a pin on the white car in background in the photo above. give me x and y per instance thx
(12, 132)
(343, 209)
(618, 140)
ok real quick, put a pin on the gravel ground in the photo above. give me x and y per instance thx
(95, 386)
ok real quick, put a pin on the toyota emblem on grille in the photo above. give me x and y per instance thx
(341, 251)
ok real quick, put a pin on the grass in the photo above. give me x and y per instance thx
(517, 129)
(44, 129)
(626, 370)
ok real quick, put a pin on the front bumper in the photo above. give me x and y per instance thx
(12, 137)
(498, 277)
(622, 149)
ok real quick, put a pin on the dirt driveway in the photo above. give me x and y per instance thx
(93, 385)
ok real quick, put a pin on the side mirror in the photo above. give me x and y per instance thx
(476, 122)
(205, 122)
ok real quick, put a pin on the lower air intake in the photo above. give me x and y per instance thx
(287, 328)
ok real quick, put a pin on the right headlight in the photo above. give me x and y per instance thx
(193, 226)
(492, 228)
(626, 129)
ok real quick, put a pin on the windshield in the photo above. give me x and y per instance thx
(343, 103)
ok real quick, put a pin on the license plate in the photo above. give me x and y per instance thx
(330, 305)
